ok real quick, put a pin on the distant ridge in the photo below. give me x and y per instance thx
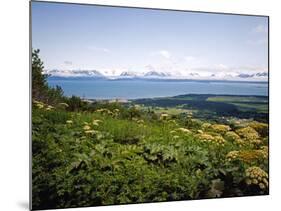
(218, 76)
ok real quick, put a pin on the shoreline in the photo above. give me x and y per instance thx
(156, 79)
(128, 100)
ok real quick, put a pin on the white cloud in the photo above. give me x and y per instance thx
(150, 67)
(221, 67)
(164, 53)
(226, 69)
(260, 29)
(249, 69)
(260, 33)
(189, 58)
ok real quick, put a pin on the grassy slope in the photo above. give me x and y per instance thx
(144, 159)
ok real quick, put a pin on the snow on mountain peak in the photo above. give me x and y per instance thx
(153, 74)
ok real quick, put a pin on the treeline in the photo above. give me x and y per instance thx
(54, 96)
(40, 89)
(207, 109)
(42, 92)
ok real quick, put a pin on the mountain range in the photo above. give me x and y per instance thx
(220, 75)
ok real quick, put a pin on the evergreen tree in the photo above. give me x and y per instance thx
(39, 80)
(40, 89)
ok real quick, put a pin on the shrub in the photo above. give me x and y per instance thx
(218, 128)
(248, 133)
(261, 128)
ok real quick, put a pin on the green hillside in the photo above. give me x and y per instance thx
(150, 150)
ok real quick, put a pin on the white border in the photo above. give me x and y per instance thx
(14, 82)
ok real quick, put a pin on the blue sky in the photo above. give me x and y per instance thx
(119, 39)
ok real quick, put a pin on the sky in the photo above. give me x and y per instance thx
(113, 39)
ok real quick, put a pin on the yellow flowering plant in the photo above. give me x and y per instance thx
(257, 177)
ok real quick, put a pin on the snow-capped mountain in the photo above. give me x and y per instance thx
(129, 74)
(74, 73)
(265, 74)
(256, 75)
(153, 74)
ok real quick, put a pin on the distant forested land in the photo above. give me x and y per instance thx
(210, 106)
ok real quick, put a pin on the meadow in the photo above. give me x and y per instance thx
(113, 153)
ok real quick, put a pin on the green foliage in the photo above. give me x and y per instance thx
(39, 80)
(214, 106)
(75, 103)
(104, 156)
(40, 89)
(102, 153)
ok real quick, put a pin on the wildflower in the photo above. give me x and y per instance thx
(184, 130)
(240, 142)
(173, 121)
(64, 105)
(261, 128)
(49, 108)
(36, 101)
(219, 140)
(104, 111)
(200, 131)
(69, 121)
(232, 136)
(255, 141)
(262, 186)
(86, 127)
(247, 156)
(140, 121)
(264, 148)
(91, 132)
(232, 155)
(256, 176)
(219, 128)
(173, 131)
(205, 125)
(205, 137)
(198, 172)
(248, 133)
(255, 181)
(189, 115)
(164, 116)
(137, 106)
(38, 104)
(96, 122)
(263, 151)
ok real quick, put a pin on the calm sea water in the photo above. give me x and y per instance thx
(133, 89)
